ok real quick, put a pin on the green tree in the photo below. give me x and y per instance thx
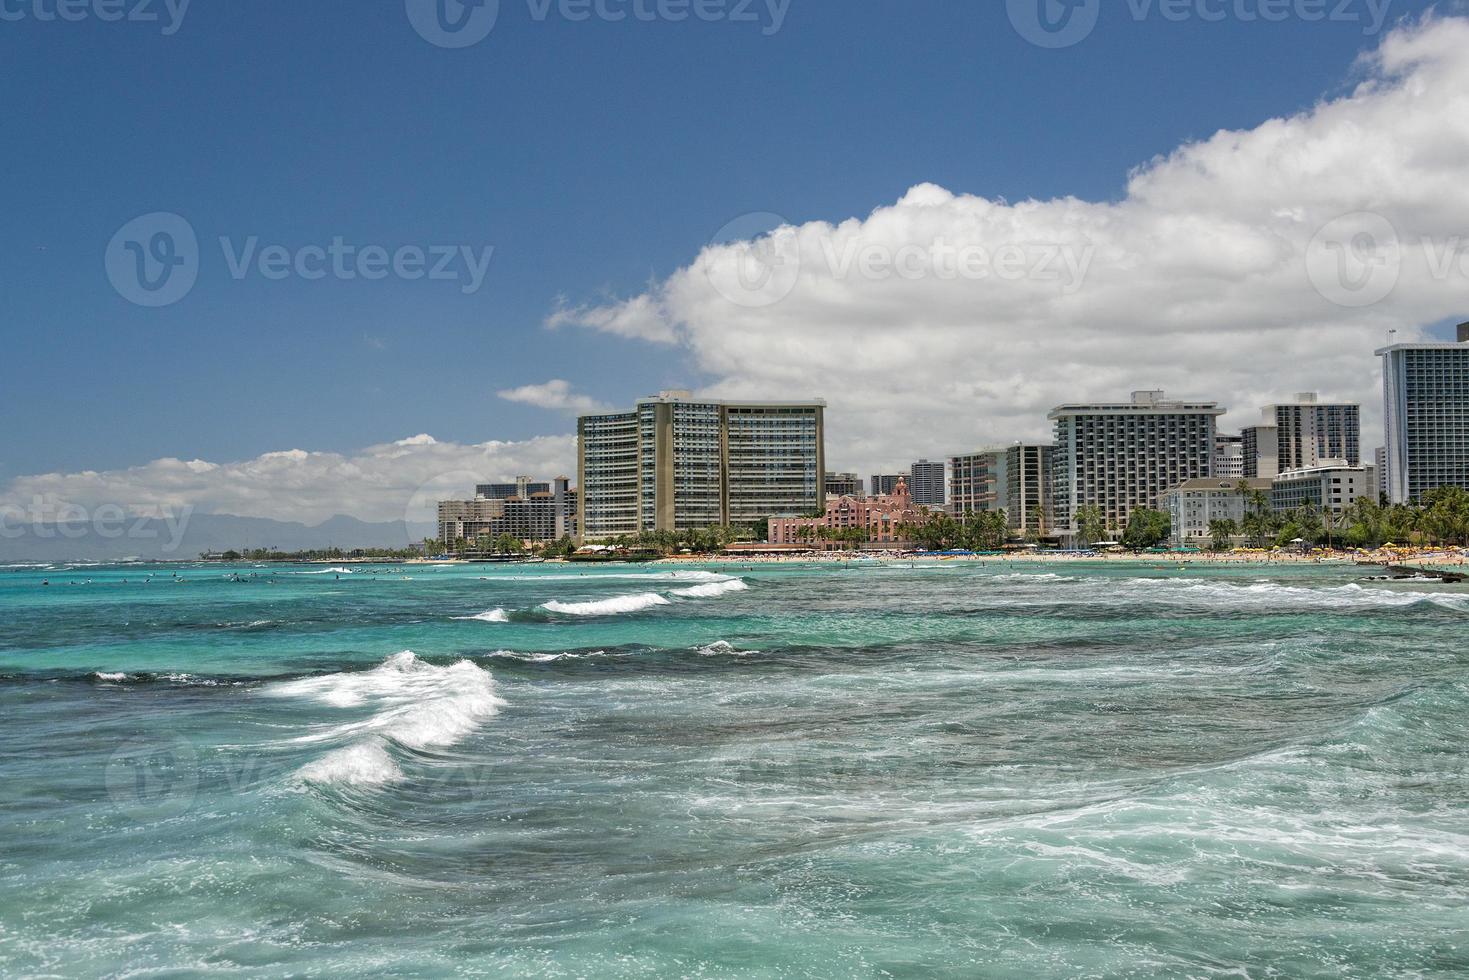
(1222, 531)
(1146, 528)
(1090, 524)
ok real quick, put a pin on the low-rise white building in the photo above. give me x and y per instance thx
(1333, 486)
(1194, 504)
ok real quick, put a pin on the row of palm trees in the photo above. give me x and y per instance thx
(1442, 518)
(978, 531)
(708, 540)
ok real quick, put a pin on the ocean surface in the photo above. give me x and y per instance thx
(777, 771)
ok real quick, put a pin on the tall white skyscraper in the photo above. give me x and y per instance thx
(1426, 416)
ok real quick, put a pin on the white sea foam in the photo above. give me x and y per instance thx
(493, 616)
(712, 590)
(1033, 577)
(364, 764)
(723, 648)
(608, 607)
(110, 678)
(1276, 595)
(415, 704)
(327, 571)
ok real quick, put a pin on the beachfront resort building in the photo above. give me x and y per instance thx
(977, 481)
(679, 463)
(1300, 434)
(1015, 479)
(1335, 485)
(1195, 504)
(1426, 406)
(535, 516)
(1028, 489)
(1309, 432)
(1121, 457)
(926, 484)
(844, 485)
(877, 518)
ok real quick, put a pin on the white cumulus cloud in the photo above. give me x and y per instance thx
(555, 395)
(1244, 267)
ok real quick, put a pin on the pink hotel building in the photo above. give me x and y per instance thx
(879, 516)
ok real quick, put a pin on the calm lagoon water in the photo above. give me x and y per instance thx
(779, 771)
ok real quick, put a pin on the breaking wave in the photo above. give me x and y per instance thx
(415, 705)
(1272, 594)
(723, 648)
(713, 590)
(607, 607)
(493, 616)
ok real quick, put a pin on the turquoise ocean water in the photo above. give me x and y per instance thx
(1047, 771)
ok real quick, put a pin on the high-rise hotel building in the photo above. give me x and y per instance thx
(1119, 457)
(1015, 479)
(1302, 434)
(977, 481)
(926, 483)
(1028, 489)
(1426, 416)
(677, 463)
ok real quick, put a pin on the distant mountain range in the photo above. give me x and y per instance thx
(199, 534)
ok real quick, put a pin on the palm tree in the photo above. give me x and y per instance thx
(1222, 531)
(1090, 524)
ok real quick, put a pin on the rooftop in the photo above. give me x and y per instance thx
(1143, 403)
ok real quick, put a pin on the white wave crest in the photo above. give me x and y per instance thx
(493, 616)
(1273, 594)
(110, 678)
(364, 764)
(723, 648)
(713, 590)
(415, 704)
(608, 607)
(327, 571)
